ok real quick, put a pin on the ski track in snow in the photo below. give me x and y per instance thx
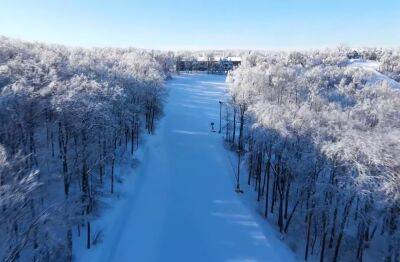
(180, 204)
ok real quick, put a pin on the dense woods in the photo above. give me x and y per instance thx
(318, 133)
(321, 143)
(68, 116)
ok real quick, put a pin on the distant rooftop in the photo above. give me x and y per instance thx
(218, 58)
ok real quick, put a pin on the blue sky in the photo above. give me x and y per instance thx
(227, 24)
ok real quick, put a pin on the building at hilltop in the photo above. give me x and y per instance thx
(218, 65)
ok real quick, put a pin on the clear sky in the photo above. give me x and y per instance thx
(204, 24)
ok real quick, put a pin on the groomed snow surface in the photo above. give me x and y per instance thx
(376, 77)
(180, 203)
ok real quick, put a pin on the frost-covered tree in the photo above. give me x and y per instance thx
(322, 144)
(68, 115)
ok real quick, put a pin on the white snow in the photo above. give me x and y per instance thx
(376, 77)
(180, 204)
(367, 64)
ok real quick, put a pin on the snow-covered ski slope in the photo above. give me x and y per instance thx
(181, 204)
(376, 77)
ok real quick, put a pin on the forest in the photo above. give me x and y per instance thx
(316, 135)
(68, 117)
(319, 135)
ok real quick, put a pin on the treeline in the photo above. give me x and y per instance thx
(321, 143)
(67, 115)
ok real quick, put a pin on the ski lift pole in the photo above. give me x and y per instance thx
(237, 189)
(220, 117)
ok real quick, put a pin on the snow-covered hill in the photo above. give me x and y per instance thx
(181, 204)
(373, 68)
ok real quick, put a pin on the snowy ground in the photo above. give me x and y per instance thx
(180, 203)
(376, 77)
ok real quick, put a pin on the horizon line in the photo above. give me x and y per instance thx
(201, 49)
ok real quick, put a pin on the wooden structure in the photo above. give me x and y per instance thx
(211, 65)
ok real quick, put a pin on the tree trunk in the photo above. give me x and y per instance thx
(333, 230)
(323, 240)
(132, 139)
(291, 216)
(308, 234)
(137, 134)
(268, 173)
(273, 194)
(234, 126)
(152, 120)
(69, 244)
(113, 165)
(287, 200)
(112, 175)
(280, 216)
(242, 109)
(88, 241)
(346, 214)
(259, 170)
(250, 168)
